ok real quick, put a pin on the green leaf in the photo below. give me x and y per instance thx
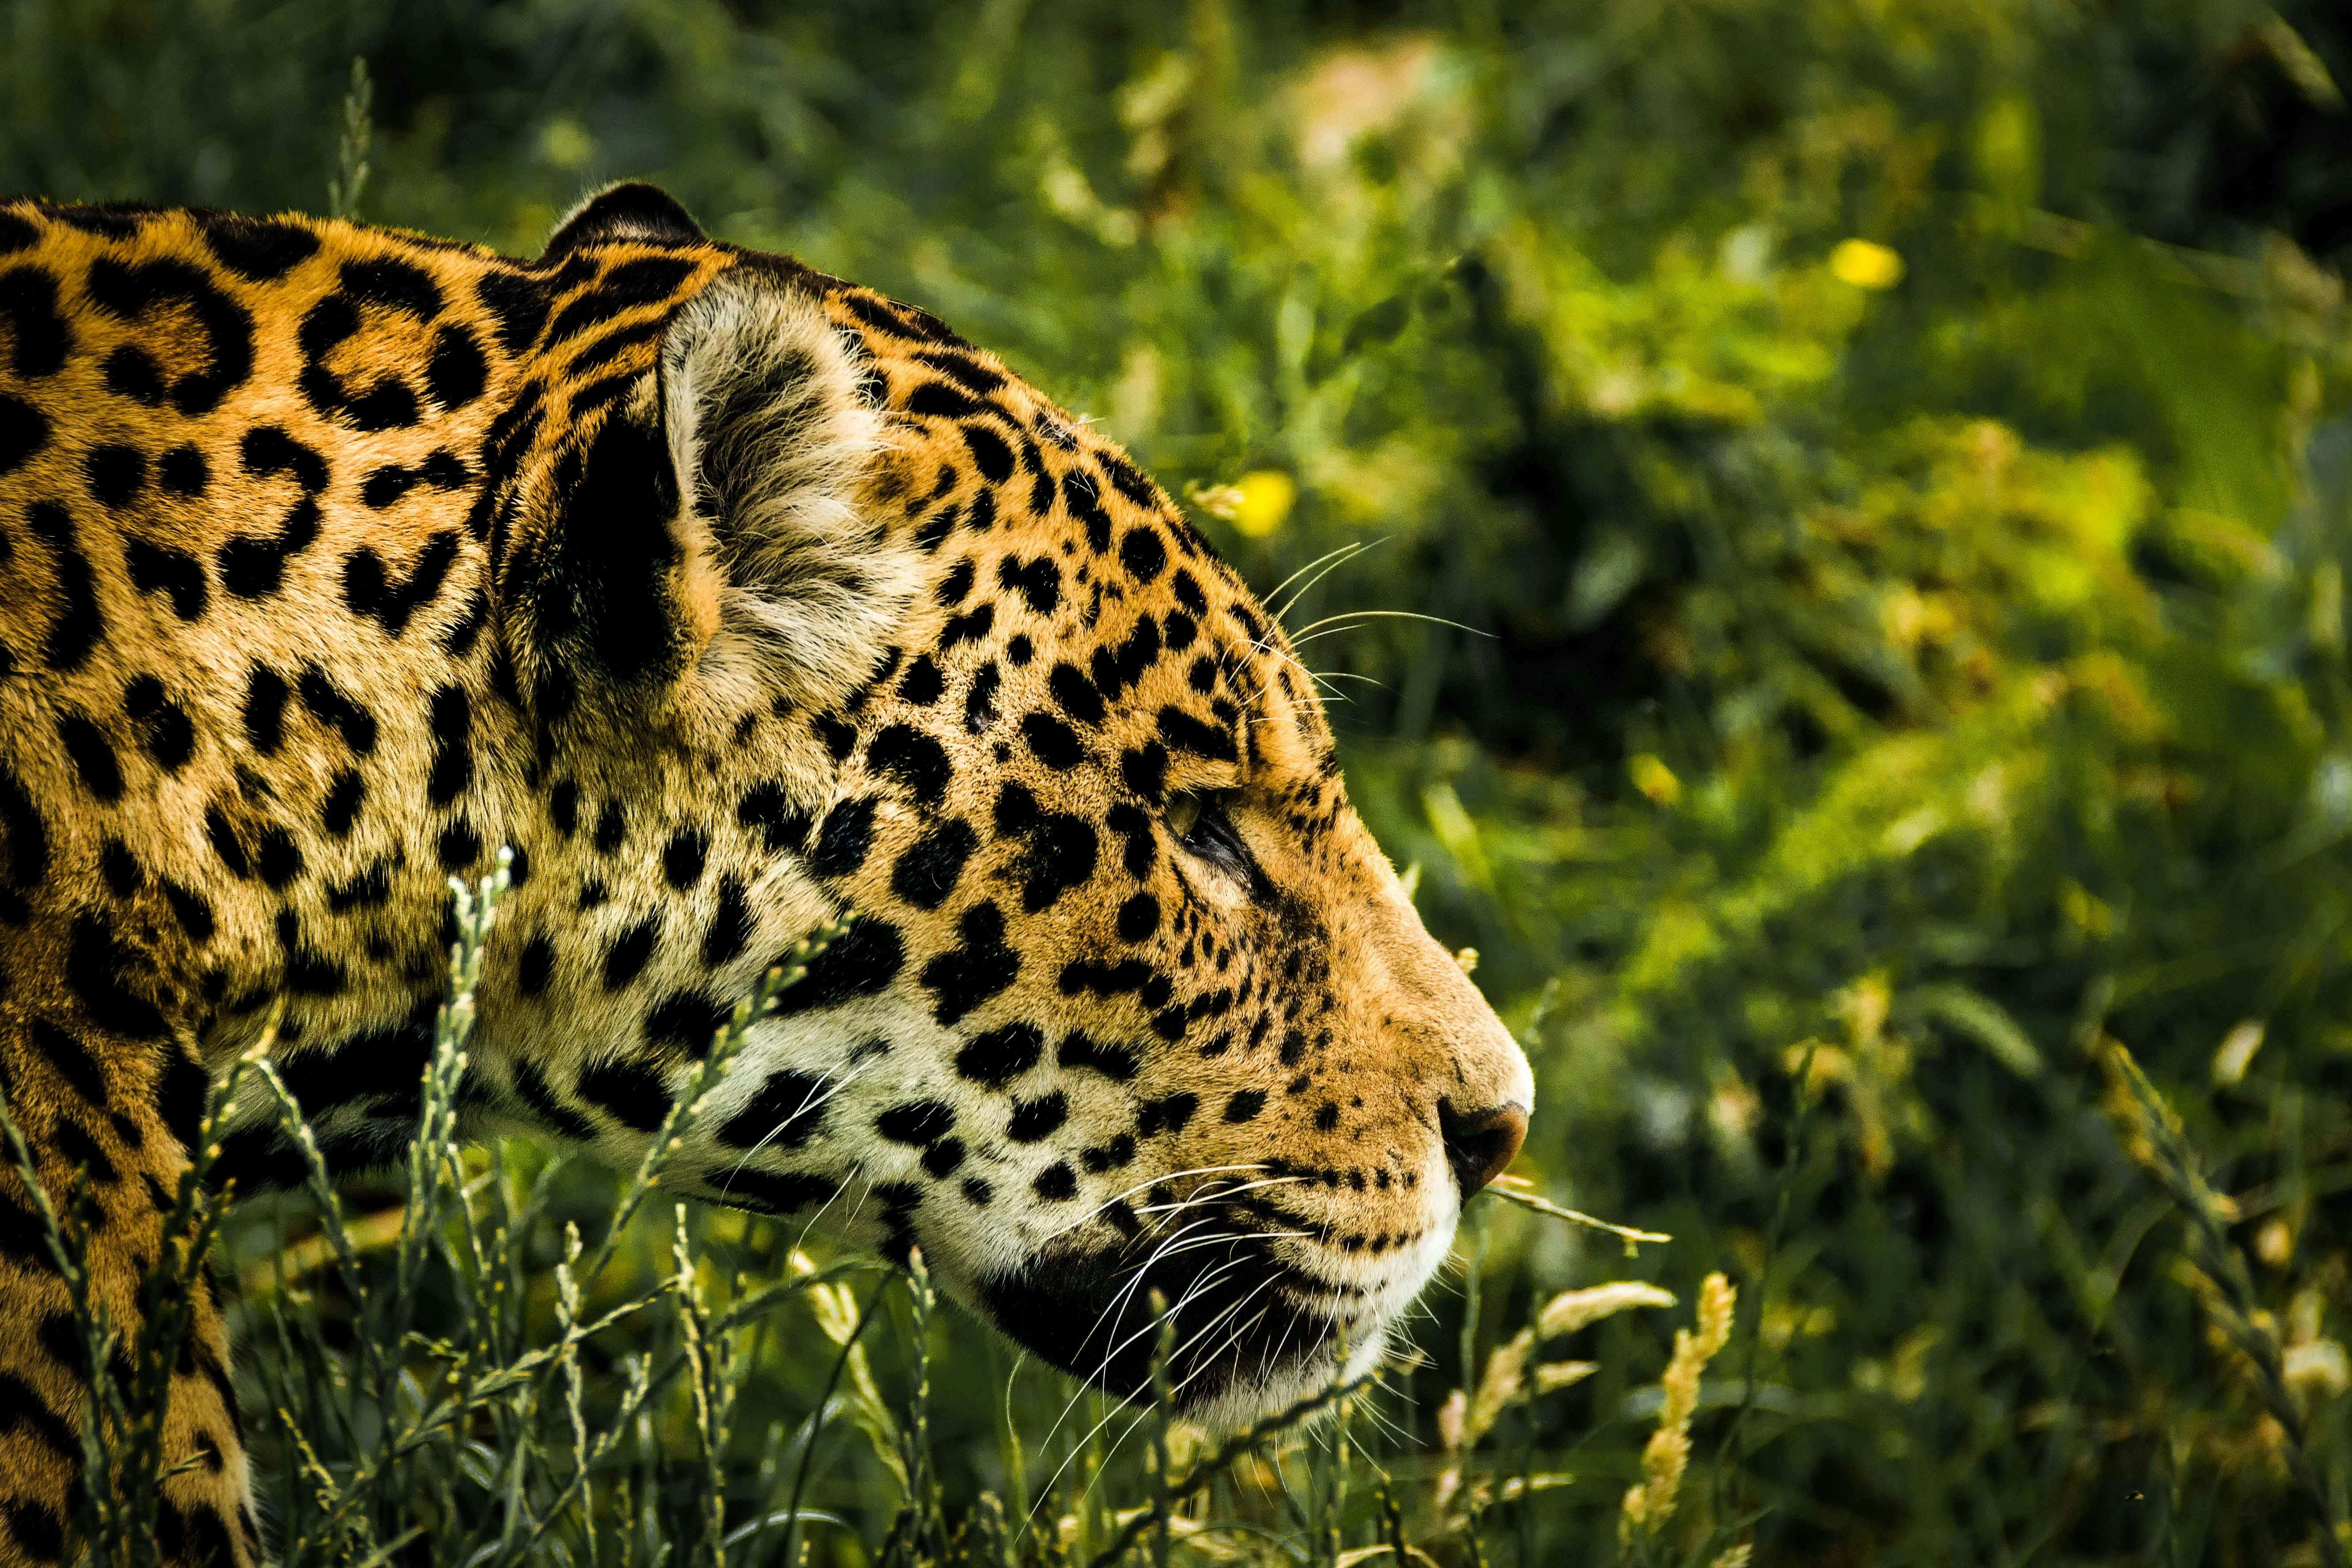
(1983, 1020)
(1378, 325)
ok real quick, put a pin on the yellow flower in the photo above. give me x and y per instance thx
(1654, 779)
(1866, 264)
(1266, 497)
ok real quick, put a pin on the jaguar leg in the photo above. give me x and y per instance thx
(109, 1123)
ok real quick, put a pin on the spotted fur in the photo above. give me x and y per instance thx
(732, 596)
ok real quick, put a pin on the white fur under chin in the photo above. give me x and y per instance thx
(760, 388)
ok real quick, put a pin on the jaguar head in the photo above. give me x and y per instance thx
(1133, 1010)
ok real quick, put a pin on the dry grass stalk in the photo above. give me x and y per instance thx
(1519, 1191)
(2154, 1136)
(1573, 1309)
(1650, 1503)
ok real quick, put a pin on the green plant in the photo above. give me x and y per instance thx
(1896, 463)
(427, 1373)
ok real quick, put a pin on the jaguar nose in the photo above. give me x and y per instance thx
(1481, 1144)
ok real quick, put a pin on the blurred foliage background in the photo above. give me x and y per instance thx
(1892, 459)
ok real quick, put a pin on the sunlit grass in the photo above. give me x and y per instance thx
(1905, 498)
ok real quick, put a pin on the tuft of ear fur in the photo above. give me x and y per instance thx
(772, 444)
(631, 210)
(707, 540)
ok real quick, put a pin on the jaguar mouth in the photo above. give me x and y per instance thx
(1244, 1329)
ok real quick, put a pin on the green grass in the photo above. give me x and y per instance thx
(1897, 463)
(460, 1377)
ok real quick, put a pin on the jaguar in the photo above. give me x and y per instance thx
(726, 599)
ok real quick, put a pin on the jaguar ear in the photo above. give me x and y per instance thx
(773, 441)
(632, 210)
(711, 532)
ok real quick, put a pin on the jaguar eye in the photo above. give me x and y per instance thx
(1198, 819)
(1184, 813)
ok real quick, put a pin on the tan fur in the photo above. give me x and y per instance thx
(732, 596)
